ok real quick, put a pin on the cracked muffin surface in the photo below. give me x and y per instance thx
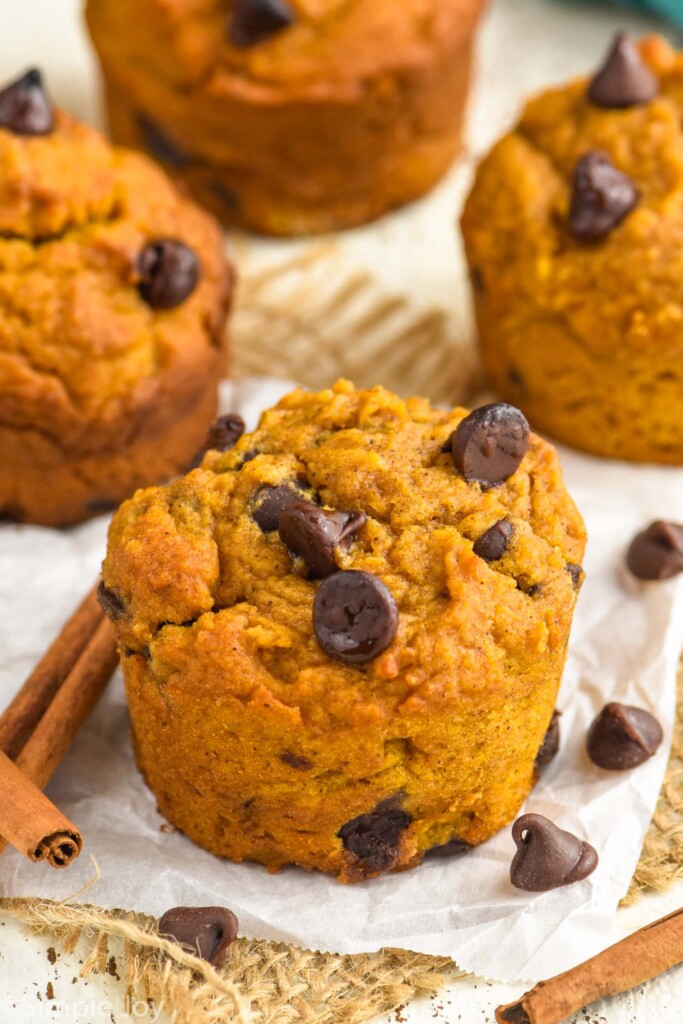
(573, 235)
(104, 385)
(260, 740)
(290, 116)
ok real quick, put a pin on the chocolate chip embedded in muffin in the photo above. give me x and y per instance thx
(168, 273)
(577, 574)
(624, 80)
(656, 553)
(255, 21)
(547, 857)
(453, 848)
(551, 742)
(492, 545)
(269, 503)
(623, 737)
(355, 616)
(314, 533)
(602, 196)
(373, 838)
(110, 602)
(159, 145)
(204, 931)
(490, 443)
(302, 764)
(225, 432)
(24, 106)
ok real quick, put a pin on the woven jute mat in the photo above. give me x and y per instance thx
(313, 319)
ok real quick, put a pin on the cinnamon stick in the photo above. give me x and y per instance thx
(23, 714)
(631, 962)
(31, 822)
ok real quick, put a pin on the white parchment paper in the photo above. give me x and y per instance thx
(625, 646)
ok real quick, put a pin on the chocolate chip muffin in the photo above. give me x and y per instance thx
(113, 299)
(342, 638)
(289, 116)
(573, 235)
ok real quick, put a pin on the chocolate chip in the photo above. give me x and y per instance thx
(547, 857)
(225, 432)
(602, 196)
(110, 602)
(355, 616)
(254, 21)
(492, 544)
(447, 446)
(168, 273)
(270, 502)
(159, 145)
(624, 80)
(551, 741)
(205, 931)
(314, 533)
(453, 848)
(656, 553)
(622, 737)
(302, 764)
(25, 108)
(490, 443)
(373, 838)
(534, 590)
(576, 572)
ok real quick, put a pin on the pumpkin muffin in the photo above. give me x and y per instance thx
(290, 116)
(342, 638)
(113, 299)
(574, 232)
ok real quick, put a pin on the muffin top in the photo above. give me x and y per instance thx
(266, 45)
(109, 278)
(588, 188)
(343, 563)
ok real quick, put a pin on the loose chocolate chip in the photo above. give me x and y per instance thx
(254, 21)
(205, 931)
(302, 764)
(576, 573)
(547, 856)
(110, 603)
(25, 108)
(492, 544)
(452, 848)
(355, 616)
(314, 533)
(551, 742)
(168, 273)
(656, 553)
(622, 737)
(490, 443)
(624, 80)
(270, 502)
(225, 432)
(374, 837)
(602, 196)
(159, 145)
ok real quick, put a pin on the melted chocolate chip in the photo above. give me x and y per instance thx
(551, 741)
(656, 553)
(110, 602)
(254, 21)
(624, 80)
(314, 533)
(159, 145)
(302, 764)
(490, 443)
(602, 197)
(453, 848)
(355, 616)
(270, 502)
(24, 106)
(168, 273)
(373, 838)
(622, 737)
(547, 857)
(225, 432)
(205, 931)
(492, 544)
(576, 572)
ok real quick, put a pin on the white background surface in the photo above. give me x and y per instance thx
(525, 44)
